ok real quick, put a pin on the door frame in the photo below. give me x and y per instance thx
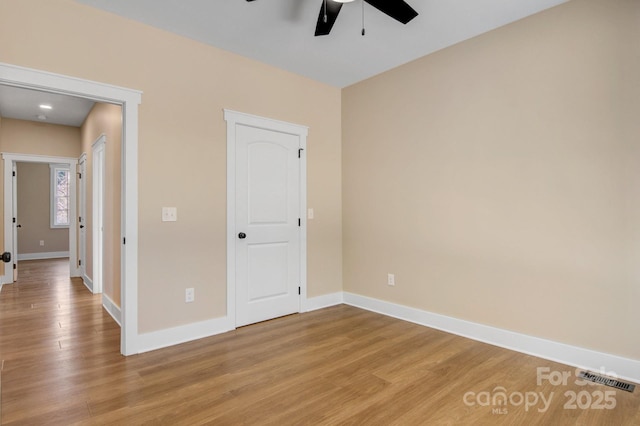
(10, 207)
(233, 119)
(12, 75)
(98, 149)
(82, 213)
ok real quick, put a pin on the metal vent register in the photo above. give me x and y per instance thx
(607, 381)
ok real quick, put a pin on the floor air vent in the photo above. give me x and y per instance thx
(607, 381)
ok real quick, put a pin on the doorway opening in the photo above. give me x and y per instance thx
(129, 100)
(39, 230)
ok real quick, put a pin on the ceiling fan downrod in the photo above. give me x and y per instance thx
(362, 18)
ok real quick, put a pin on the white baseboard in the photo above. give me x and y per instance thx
(174, 336)
(324, 301)
(43, 255)
(624, 368)
(87, 282)
(112, 309)
(186, 333)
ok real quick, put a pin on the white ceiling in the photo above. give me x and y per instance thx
(280, 32)
(24, 104)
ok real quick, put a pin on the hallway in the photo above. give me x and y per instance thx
(51, 328)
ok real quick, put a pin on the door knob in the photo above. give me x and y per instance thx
(242, 235)
(19, 226)
(81, 226)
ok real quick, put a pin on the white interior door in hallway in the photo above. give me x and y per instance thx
(268, 223)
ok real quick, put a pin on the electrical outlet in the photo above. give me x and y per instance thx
(189, 295)
(169, 214)
(41, 242)
(391, 279)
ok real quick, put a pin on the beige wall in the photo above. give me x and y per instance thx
(34, 214)
(182, 143)
(35, 138)
(499, 179)
(105, 119)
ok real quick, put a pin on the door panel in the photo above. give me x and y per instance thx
(267, 275)
(267, 209)
(15, 223)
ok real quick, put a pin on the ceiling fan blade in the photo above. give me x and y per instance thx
(397, 9)
(333, 8)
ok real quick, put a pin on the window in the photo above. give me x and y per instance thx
(60, 176)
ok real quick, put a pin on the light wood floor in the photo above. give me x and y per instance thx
(341, 365)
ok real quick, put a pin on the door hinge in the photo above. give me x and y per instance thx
(299, 222)
(15, 266)
(79, 175)
(124, 240)
(14, 172)
(300, 152)
(14, 220)
(299, 291)
(79, 262)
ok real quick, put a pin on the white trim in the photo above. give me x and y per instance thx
(624, 368)
(111, 308)
(233, 118)
(177, 335)
(88, 283)
(10, 159)
(81, 269)
(98, 159)
(43, 255)
(186, 333)
(16, 76)
(324, 301)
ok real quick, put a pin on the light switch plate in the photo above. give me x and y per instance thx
(169, 214)
(189, 295)
(310, 214)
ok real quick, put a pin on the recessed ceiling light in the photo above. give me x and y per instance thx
(43, 106)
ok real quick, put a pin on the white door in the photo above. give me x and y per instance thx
(82, 211)
(97, 230)
(16, 224)
(267, 219)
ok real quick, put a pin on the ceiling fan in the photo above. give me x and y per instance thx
(397, 9)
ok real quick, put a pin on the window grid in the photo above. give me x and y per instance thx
(60, 197)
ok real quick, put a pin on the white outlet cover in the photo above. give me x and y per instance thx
(391, 279)
(169, 214)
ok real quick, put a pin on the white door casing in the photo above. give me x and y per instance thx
(82, 218)
(266, 198)
(97, 227)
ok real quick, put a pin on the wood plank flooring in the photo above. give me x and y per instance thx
(337, 366)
